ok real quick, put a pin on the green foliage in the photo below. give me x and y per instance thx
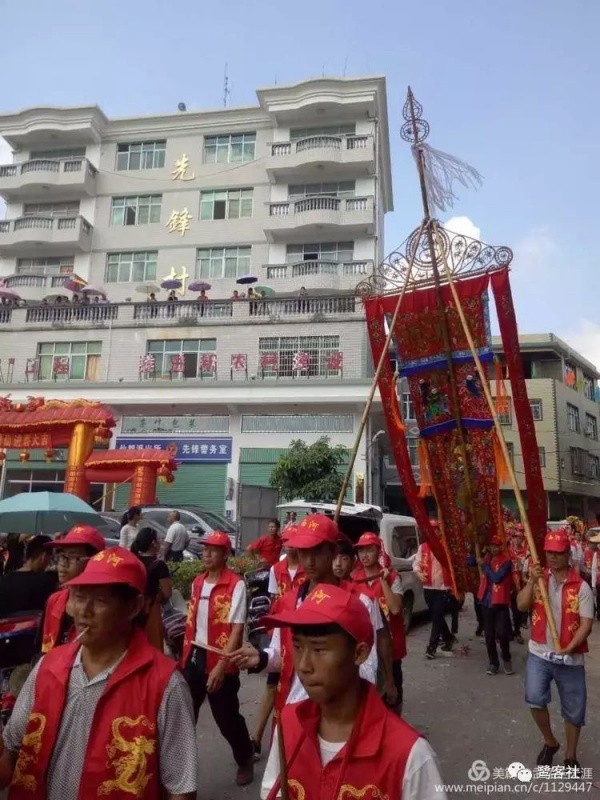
(310, 472)
(184, 572)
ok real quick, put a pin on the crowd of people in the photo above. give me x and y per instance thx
(107, 707)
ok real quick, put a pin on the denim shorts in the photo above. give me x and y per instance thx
(570, 682)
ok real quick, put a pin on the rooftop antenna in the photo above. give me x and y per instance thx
(226, 89)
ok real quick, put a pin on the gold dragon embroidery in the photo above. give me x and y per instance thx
(130, 768)
(369, 792)
(223, 641)
(30, 749)
(222, 609)
(572, 605)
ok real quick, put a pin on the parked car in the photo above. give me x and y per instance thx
(111, 530)
(400, 536)
(198, 521)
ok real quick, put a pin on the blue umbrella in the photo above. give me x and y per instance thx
(247, 279)
(171, 283)
(45, 512)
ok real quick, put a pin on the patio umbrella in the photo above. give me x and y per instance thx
(199, 286)
(147, 288)
(75, 284)
(247, 279)
(171, 283)
(45, 512)
(99, 290)
(9, 294)
(264, 290)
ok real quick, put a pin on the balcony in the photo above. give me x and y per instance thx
(318, 217)
(291, 162)
(72, 178)
(25, 236)
(319, 274)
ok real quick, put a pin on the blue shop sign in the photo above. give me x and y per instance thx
(184, 449)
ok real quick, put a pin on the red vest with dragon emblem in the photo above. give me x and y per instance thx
(370, 765)
(569, 617)
(284, 580)
(427, 567)
(121, 760)
(56, 608)
(395, 622)
(219, 609)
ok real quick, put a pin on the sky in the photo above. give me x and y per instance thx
(510, 86)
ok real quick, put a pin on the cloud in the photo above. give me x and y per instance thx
(5, 158)
(463, 226)
(585, 338)
(537, 250)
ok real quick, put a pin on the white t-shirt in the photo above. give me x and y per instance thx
(273, 585)
(237, 613)
(368, 670)
(422, 779)
(127, 535)
(586, 610)
(177, 537)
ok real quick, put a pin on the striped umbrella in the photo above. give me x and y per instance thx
(74, 284)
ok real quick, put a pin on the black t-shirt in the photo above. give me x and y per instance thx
(156, 570)
(26, 591)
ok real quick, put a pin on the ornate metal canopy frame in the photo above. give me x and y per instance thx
(466, 257)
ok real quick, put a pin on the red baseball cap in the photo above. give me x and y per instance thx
(288, 534)
(113, 565)
(326, 605)
(217, 539)
(369, 540)
(315, 529)
(557, 541)
(81, 535)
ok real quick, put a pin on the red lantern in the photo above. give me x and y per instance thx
(19, 407)
(49, 455)
(102, 434)
(24, 456)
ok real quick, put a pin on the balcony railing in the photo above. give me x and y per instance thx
(304, 268)
(320, 142)
(35, 222)
(36, 281)
(47, 165)
(183, 311)
(5, 314)
(302, 306)
(93, 313)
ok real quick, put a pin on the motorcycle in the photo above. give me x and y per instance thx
(259, 605)
(18, 634)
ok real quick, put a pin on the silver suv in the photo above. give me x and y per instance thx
(198, 521)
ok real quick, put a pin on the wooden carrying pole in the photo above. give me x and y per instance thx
(382, 358)
(488, 396)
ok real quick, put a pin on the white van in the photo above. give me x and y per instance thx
(400, 536)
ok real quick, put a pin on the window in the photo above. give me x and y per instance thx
(506, 417)
(226, 149)
(83, 360)
(593, 466)
(325, 251)
(319, 348)
(511, 453)
(573, 422)
(68, 209)
(131, 267)
(190, 349)
(223, 262)
(537, 410)
(542, 456)
(140, 210)
(589, 387)
(59, 265)
(226, 204)
(141, 155)
(339, 189)
(413, 451)
(404, 541)
(58, 153)
(579, 460)
(408, 409)
(349, 129)
(591, 427)
(297, 423)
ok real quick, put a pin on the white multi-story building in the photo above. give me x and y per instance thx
(292, 191)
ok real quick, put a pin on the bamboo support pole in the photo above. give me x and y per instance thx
(369, 403)
(511, 472)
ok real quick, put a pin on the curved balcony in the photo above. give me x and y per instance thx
(72, 178)
(292, 220)
(320, 275)
(291, 162)
(33, 287)
(25, 235)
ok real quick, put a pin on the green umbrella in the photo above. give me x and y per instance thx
(264, 290)
(45, 512)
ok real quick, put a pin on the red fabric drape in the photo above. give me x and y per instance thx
(536, 495)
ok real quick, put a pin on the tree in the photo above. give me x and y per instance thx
(310, 472)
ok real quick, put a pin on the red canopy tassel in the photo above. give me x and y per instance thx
(501, 396)
(424, 469)
(501, 466)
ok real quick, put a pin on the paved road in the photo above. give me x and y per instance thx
(466, 715)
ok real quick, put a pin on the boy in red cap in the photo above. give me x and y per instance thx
(494, 595)
(572, 605)
(316, 539)
(73, 552)
(342, 740)
(107, 715)
(384, 587)
(215, 624)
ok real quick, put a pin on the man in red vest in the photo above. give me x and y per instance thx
(384, 587)
(342, 740)
(494, 595)
(437, 583)
(73, 552)
(215, 624)
(572, 605)
(268, 547)
(107, 714)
